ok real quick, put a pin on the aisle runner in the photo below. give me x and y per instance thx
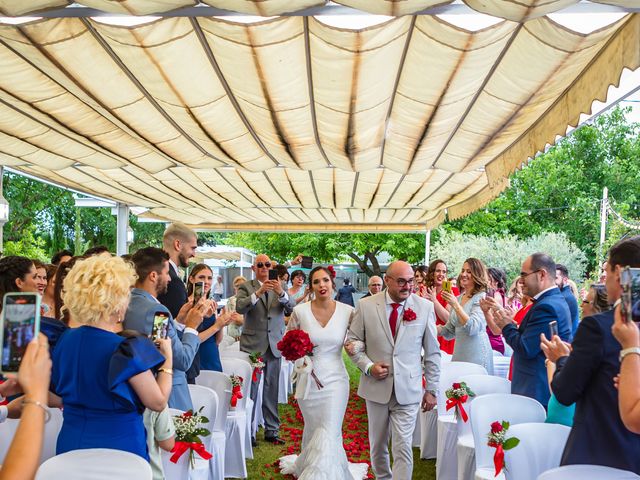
(354, 428)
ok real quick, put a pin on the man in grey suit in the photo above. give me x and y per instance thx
(264, 304)
(152, 268)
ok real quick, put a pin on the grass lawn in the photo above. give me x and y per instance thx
(266, 455)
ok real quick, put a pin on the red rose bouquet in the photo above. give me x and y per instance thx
(498, 440)
(236, 389)
(458, 395)
(188, 431)
(257, 363)
(296, 345)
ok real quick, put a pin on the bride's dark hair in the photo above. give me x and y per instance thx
(327, 271)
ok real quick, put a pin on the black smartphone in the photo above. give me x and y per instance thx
(20, 323)
(307, 262)
(198, 291)
(160, 326)
(273, 274)
(553, 329)
(630, 300)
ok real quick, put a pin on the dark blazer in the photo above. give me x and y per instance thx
(263, 322)
(585, 377)
(176, 295)
(572, 303)
(529, 372)
(142, 308)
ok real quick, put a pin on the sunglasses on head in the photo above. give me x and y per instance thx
(262, 265)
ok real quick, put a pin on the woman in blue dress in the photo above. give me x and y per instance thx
(211, 329)
(105, 381)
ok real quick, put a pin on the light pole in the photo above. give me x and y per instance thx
(4, 209)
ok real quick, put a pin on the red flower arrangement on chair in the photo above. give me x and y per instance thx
(498, 440)
(457, 396)
(257, 363)
(236, 389)
(188, 431)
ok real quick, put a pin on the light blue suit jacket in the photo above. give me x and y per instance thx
(142, 308)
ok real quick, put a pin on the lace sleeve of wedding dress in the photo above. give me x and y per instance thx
(294, 321)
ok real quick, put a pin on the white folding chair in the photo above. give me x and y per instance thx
(480, 385)
(95, 464)
(540, 449)
(501, 364)
(221, 384)
(446, 459)
(235, 354)
(284, 380)
(181, 469)
(428, 423)
(245, 370)
(207, 399)
(587, 472)
(51, 431)
(497, 407)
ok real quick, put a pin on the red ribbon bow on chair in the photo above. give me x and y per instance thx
(180, 447)
(498, 457)
(457, 402)
(254, 376)
(236, 394)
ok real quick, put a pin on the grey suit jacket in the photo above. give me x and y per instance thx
(263, 324)
(142, 308)
(369, 324)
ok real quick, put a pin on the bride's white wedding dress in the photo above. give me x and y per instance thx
(323, 456)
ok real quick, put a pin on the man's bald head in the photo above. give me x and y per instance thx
(261, 266)
(399, 280)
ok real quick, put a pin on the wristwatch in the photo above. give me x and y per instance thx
(628, 351)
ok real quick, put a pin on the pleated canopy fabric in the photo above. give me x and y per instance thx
(513, 10)
(291, 124)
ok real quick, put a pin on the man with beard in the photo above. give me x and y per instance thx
(152, 268)
(180, 242)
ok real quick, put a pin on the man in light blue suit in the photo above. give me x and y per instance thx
(152, 268)
(529, 372)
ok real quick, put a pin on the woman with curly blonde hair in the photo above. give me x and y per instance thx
(105, 380)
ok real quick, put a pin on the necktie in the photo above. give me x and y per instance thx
(393, 318)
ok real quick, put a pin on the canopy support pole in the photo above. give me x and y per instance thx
(122, 223)
(427, 247)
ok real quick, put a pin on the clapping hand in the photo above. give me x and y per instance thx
(431, 294)
(503, 316)
(555, 348)
(487, 303)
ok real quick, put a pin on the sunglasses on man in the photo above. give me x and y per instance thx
(262, 265)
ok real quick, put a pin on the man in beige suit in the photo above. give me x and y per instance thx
(386, 338)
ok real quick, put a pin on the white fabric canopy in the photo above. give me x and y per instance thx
(289, 123)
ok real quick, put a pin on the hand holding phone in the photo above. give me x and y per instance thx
(446, 285)
(553, 329)
(273, 274)
(19, 325)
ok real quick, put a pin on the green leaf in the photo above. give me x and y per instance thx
(510, 443)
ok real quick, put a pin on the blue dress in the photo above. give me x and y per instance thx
(91, 369)
(209, 353)
(52, 329)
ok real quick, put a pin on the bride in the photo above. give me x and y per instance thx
(326, 322)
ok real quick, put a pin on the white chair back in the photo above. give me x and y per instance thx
(445, 357)
(540, 449)
(480, 385)
(51, 431)
(587, 472)
(449, 373)
(95, 464)
(180, 469)
(221, 385)
(207, 399)
(227, 341)
(235, 366)
(496, 407)
(235, 354)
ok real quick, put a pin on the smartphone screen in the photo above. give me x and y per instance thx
(20, 324)
(553, 329)
(630, 283)
(198, 291)
(160, 325)
(273, 274)
(307, 262)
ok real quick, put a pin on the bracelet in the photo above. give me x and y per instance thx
(47, 413)
(168, 371)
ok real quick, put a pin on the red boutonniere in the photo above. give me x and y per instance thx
(409, 315)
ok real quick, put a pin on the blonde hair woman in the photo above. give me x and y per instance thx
(105, 380)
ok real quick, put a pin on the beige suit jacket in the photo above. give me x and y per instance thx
(369, 324)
